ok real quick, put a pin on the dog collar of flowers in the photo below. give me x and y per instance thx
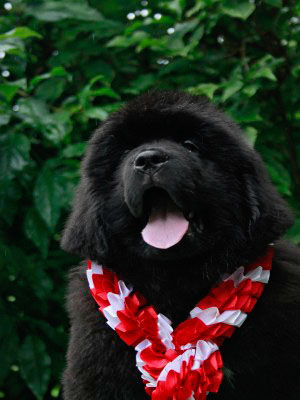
(184, 363)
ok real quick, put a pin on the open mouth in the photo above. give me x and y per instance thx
(166, 223)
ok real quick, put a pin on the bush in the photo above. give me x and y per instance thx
(65, 66)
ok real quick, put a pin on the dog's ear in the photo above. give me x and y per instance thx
(269, 216)
(252, 203)
(84, 233)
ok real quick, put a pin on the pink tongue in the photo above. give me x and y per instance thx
(165, 228)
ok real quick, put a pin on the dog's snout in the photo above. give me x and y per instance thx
(150, 161)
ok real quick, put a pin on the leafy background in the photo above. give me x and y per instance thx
(64, 66)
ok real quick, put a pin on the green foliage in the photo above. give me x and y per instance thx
(35, 365)
(65, 65)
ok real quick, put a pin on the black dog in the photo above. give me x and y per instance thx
(172, 150)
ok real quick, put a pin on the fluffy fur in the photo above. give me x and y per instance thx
(220, 182)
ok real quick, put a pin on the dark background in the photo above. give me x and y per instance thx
(64, 66)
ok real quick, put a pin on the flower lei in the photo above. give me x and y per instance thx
(184, 363)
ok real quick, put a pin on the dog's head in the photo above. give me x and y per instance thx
(170, 177)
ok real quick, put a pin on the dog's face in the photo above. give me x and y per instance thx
(170, 177)
(166, 195)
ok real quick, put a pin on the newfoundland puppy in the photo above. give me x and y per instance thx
(172, 197)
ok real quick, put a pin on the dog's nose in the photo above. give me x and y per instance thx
(150, 161)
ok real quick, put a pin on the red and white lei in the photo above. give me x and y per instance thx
(184, 363)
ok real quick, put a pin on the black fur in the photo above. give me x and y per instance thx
(236, 214)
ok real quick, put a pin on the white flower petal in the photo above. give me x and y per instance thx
(97, 269)
(116, 302)
(89, 274)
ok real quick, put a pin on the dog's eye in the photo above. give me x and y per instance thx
(190, 146)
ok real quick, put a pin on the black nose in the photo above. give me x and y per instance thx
(150, 161)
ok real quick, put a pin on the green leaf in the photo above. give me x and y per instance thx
(176, 6)
(40, 281)
(294, 232)
(230, 89)
(7, 48)
(8, 91)
(32, 111)
(156, 45)
(58, 71)
(98, 67)
(35, 229)
(55, 132)
(67, 183)
(238, 9)
(57, 126)
(247, 112)
(10, 193)
(14, 154)
(51, 89)
(55, 72)
(88, 93)
(52, 11)
(103, 29)
(105, 92)
(274, 3)
(4, 119)
(251, 134)
(204, 89)
(8, 345)
(196, 36)
(264, 67)
(96, 113)
(142, 83)
(21, 83)
(265, 72)
(112, 107)
(55, 391)
(250, 90)
(35, 365)
(280, 176)
(120, 41)
(47, 196)
(182, 28)
(197, 7)
(124, 42)
(296, 71)
(22, 32)
(74, 150)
